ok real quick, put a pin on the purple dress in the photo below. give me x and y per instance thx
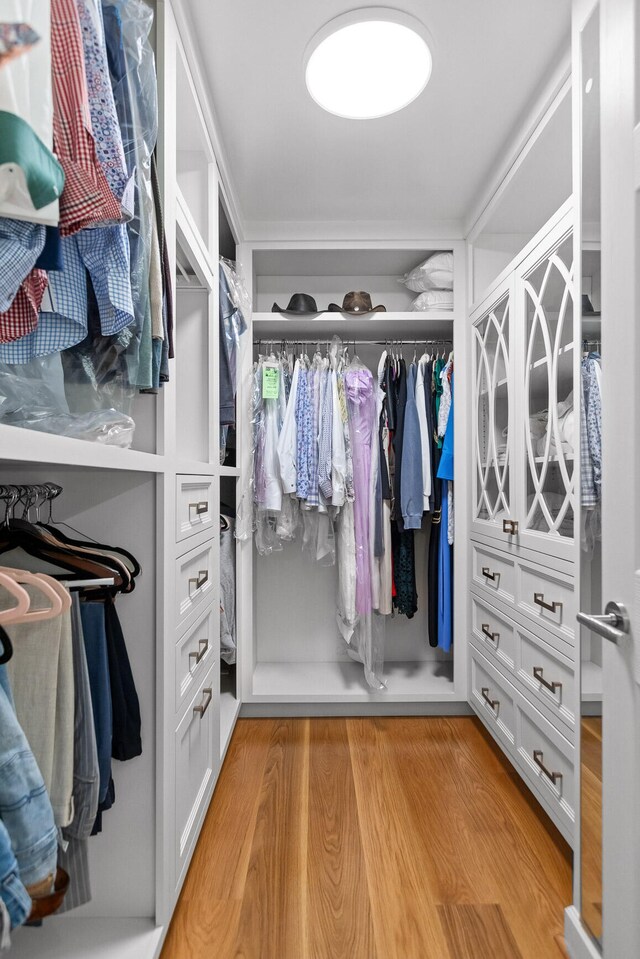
(361, 401)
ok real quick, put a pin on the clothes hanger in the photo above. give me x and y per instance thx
(14, 614)
(104, 550)
(43, 583)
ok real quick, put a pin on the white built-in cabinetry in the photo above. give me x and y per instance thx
(524, 532)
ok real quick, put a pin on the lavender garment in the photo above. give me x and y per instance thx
(326, 428)
(361, 402)
(304, 420)
(313, 495)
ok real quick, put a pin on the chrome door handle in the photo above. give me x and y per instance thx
(486, 572)
(613, 625)
(539, 600)
(206, 700)
(494, 637)
(204, 646)
(510, 526)
(537, 674)
(538, 756)
(494, 703)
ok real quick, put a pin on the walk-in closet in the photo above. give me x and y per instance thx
(318, 480)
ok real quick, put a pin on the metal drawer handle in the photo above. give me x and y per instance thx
(494, 637)
(488, 574)
(206, 700)
(204, 646)
(201, 507)
(537, 673)
(510, 526)
(538, 756)
(539, 600)
(494, 703)
(200, 579)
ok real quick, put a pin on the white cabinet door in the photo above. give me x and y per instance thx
(546, 435)
(493, 390)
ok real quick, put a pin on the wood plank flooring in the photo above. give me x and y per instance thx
(372, 838)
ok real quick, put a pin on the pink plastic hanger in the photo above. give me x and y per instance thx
(46, 585)
(14, 614)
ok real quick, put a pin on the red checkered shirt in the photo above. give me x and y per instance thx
(86, 199)
(22, 316)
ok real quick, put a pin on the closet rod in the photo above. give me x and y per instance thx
(392, 341)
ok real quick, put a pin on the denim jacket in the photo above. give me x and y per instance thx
(25, 808)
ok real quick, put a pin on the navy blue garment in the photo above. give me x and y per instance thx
(51, 258)
(95, 644)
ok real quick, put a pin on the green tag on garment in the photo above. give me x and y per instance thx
(270, 382)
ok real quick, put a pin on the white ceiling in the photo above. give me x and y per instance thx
(300, 172)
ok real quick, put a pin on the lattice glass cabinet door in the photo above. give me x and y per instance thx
(493, 454)
(547, 422)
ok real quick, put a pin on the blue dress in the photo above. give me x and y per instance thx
(445, 582)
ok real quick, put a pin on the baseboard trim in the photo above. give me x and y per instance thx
(288, 710)
(579, 942)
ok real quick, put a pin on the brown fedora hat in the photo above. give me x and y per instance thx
(356, 302)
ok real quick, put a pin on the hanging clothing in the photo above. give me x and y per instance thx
(445, 583)
(405, 599)
(412, 484)
(361, 405)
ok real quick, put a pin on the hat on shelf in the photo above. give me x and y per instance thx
(299, 303)
(359, 302)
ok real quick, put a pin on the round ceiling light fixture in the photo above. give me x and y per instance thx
(368, 63)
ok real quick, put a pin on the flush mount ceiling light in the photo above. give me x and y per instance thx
(368, 63)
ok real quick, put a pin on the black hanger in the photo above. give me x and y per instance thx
(7, 648)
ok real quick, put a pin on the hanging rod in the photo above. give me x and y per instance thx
(350, 339)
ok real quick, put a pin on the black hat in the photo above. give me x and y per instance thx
(356, 303)
(299, 303)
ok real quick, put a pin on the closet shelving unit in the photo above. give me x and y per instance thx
(293, 658)
(161, 500)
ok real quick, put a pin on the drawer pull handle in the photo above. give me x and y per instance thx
(204, 646)
(494, 637)
(201, 507)
(538, 756)
(539, 600)
(494, 703)
(510, 526)
(200, 579)
(553, 687)
(486, 572)
(206, 700)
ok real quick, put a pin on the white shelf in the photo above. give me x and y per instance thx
(436, 325)
(544, 360)
(591, 683)
(30, 446)
(229, 471)
(568, 457)
(335, 682)
(498, 385)
(68, 937)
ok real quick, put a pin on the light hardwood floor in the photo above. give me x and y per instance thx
(399, 838)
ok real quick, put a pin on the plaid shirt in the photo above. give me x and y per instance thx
(22, 316)
(86, 199)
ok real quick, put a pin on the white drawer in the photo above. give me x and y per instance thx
(547, 676)
(547, 759)
(494, 572)
(195, 654)
(495, 633)
(548, 599)
(197, 748)
(194, 581)
(194, 505)
(493, 698)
